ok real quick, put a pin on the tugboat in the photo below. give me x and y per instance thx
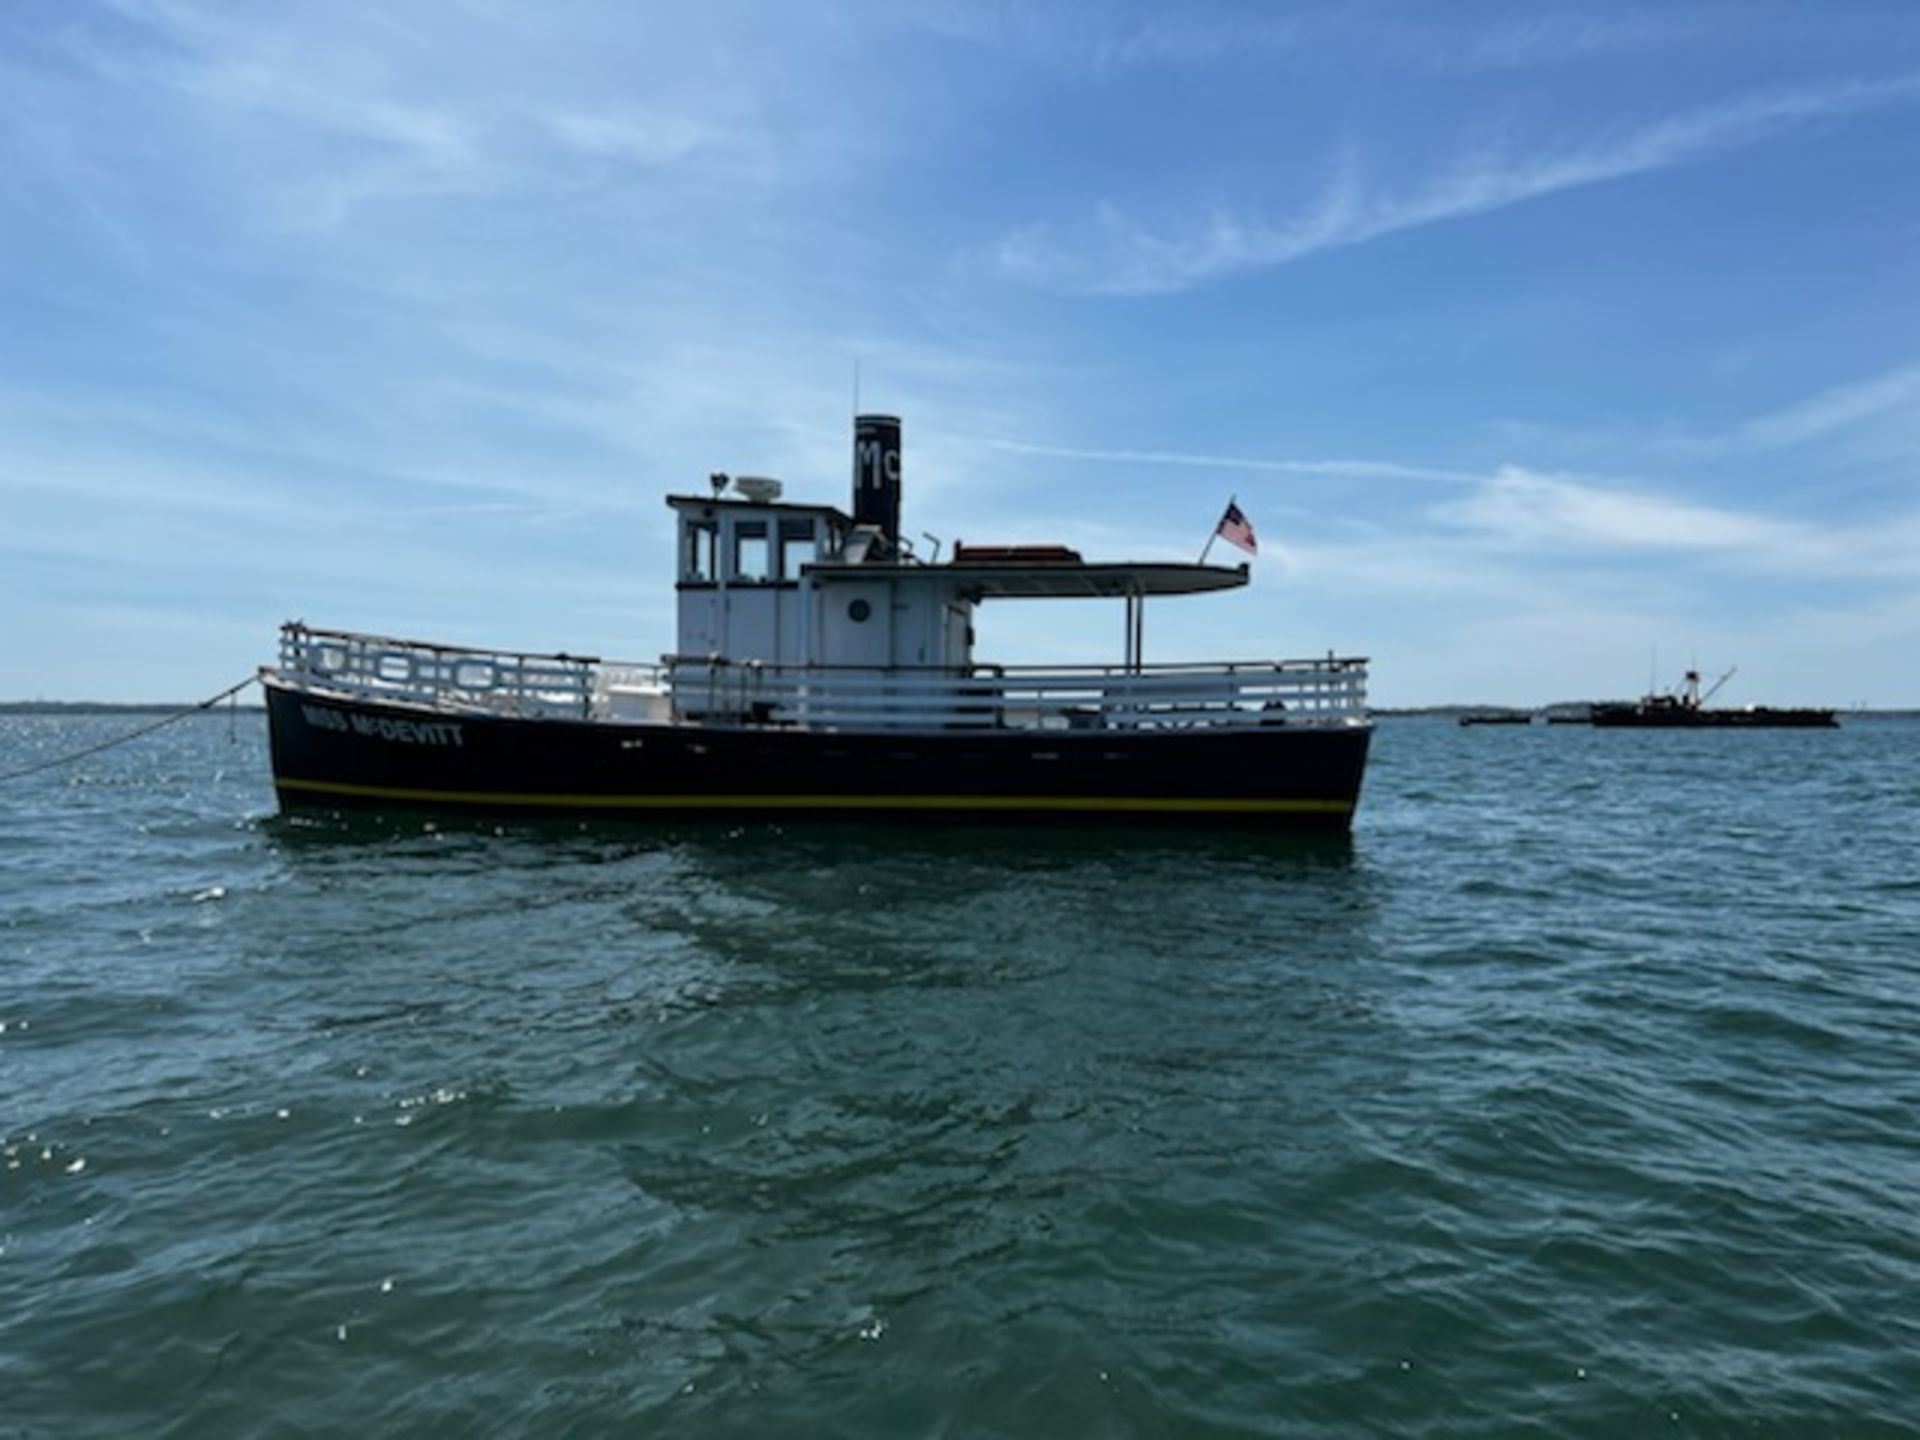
(824, 669)
(1687, 708)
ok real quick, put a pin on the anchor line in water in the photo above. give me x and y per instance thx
(131, 735)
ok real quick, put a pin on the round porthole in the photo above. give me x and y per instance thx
(858, 611)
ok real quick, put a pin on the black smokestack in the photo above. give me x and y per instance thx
(876, 474)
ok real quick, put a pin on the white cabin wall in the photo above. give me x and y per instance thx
(914, 619)
(957, 623)
(752, 618)
(941, 623)
(745, 622)
(699, 630)
(917, 633)
(846, 641)
(791, 642)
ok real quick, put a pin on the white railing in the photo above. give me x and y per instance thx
(1243, 695)
(446, 677)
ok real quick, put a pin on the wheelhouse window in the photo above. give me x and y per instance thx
(797, 547)
(834, 544)
(700, 550)
(752, 551)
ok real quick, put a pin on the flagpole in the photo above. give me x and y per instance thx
(1207, 549)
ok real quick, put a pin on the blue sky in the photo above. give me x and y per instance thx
(1538, 341)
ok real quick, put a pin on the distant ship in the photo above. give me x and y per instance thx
(1687, 708)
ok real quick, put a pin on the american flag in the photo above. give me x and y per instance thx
(1235, 529)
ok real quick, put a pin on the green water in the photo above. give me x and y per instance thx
(1576, 1096)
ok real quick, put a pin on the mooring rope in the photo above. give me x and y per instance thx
(161, 724)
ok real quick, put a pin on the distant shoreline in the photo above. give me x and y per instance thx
(114, 707)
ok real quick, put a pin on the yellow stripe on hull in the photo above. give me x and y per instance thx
(1086, 804)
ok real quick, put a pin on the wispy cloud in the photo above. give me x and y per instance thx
(1840, 408)
(1547, 517)
(1090, 42)
(1179, 41)
(1104, 43)
(311, 131)
(1532, 510)
(433, 139)
(1123, 256)
(343, 142)
(1540, 39)
(1885, 407)
(1331, 468)
(632, 137)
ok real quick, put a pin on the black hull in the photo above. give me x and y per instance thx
(337, 754)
